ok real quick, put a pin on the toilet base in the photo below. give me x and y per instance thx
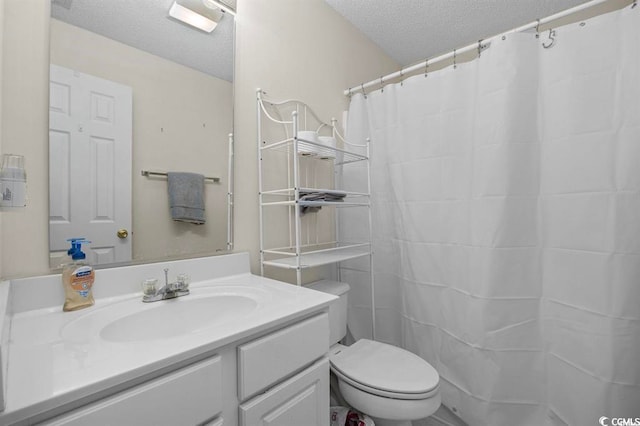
(385, 422)
(388, 409)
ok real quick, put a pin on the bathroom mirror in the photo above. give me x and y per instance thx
(135, 93)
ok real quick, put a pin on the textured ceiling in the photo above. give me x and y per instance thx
(410, 31)
(407, 30)
(145, 25)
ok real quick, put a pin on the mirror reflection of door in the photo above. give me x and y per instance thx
(90, 133)
(182, 82)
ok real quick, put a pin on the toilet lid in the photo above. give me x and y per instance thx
(390, 369)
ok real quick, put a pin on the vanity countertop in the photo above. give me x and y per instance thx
(50, 365)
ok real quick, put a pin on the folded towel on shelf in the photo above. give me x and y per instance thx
(309, 209)
(330, 196)
(186, 197)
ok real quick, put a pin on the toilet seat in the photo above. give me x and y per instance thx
(384, 370)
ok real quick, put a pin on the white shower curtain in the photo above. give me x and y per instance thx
(507, 225)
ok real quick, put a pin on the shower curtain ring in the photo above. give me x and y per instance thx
(552, 38)
(382, 84)
(454, 59)
(401, 77)
(426, 67)
(362, 89)
(635, 3)
(537, 28)
(479, 48)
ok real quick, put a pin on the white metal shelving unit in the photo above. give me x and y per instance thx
(299, 254)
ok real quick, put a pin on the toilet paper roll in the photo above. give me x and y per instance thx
(330, 142)
(305, 148)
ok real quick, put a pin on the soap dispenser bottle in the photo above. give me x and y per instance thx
(77, 278)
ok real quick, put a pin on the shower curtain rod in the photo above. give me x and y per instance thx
(477, 45)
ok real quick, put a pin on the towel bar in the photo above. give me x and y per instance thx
(151, 173)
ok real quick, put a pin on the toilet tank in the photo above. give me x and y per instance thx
(337, 309)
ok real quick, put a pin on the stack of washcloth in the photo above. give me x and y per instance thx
(329, 196)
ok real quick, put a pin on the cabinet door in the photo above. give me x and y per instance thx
(192, 395)
(301, 400)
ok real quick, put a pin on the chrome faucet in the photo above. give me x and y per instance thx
(169, 290)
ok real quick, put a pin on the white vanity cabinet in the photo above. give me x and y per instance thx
(278, 378)
(264, 366)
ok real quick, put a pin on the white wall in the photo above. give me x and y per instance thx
(292, 49)
(25, 95)
(181, 121)
(1, 43)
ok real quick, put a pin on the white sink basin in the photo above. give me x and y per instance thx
(135, 321)
(178, 317)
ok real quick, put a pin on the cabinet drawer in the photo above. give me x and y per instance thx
(270, 359)
(301, 400)
(192, 395)
(218, 421)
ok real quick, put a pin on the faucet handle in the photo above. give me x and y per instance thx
(149, 286)
(183, 281)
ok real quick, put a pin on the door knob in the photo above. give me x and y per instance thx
(122, 233)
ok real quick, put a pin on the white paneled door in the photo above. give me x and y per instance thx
(90, 134)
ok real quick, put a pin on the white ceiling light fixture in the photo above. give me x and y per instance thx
(196, 14)
(216, 4)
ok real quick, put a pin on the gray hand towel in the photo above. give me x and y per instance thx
(186, 197)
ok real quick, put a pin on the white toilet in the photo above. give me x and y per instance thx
(390, 384)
